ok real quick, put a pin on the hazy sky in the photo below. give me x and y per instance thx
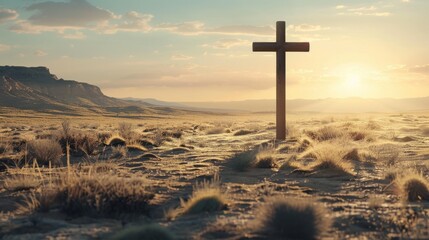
(200, 50)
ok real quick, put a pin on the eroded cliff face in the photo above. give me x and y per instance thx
(39, 80)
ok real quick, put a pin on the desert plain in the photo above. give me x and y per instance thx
(214, 176)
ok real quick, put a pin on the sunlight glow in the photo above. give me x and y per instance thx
(352, 81)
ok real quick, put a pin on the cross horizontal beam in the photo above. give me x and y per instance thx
(285, 47)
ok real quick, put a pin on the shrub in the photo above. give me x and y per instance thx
(66, 129)
(45, 151)
(413, 187)
(147, 232)
(88, 143)
(287, 218)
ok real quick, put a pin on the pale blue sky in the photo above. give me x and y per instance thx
(189, 50)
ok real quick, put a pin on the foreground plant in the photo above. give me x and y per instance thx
(94, 194)
(45, 151)
(146, 232)
(413, 187)
(206, 197)
(288, 218)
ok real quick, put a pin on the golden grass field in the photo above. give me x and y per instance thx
(206, 176)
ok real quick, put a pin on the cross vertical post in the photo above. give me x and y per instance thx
(281, 83)
(281, 47)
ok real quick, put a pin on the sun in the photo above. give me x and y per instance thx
(352, 81)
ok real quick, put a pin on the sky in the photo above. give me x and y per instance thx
(201, 50)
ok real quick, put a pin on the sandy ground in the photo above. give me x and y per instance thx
(363, 205)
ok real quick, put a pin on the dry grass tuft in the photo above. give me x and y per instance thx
(243, 161)
(106, 195)
(119, 152)
(388, 154)
(287, 218)
(215, 130)
(21, 182)
(413, 187)
(5, 146)
(136, 148)
(45, 151)
(265, 158)
(66, 129)
(262, 157)
(292, 131)
(115, 141)
(206, 197)
(391, 173)
(353, 155)
(92, 194)
(330, 157)
(126, 130)
(243, 132)
(303, 145)
(88, 143)
(375, 201)
(326, 133)
(425, 131)
(146, 232)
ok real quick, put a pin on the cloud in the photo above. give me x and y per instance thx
(307, 32)
(4, 47)
(74, 35)
(243, 30)
(362, 11)
(62, 16)
(74, 13)
(7, 15)
(423, 69)
(406, 73)
(78, 15)
(131, 22)
(181, 57)
(199, 28)
(228, 43)
(40, 53)
(306, 28)
(185, 28)
(70, 18)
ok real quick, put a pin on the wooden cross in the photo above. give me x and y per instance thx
(281, 47)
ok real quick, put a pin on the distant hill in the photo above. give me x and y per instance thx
(35, 88)
(329, 105)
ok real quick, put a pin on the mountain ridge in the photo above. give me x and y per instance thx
(35, 88)
(327, 105)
